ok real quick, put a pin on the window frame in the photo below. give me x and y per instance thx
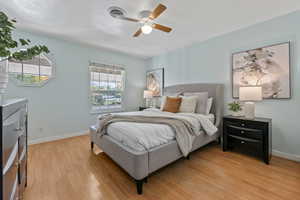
(99, 109)
(20, 83)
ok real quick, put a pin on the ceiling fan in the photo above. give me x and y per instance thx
(147, 19)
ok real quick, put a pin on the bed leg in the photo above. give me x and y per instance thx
(219, 140)
(188, 157)
(139, 186)
(92, 145)
(146, 180)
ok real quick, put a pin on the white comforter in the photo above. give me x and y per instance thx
(142, 136)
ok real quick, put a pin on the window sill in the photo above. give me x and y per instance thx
(106, 110)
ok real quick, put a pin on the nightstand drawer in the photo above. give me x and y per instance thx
(245, 123)
(245, 144)
(244, 132)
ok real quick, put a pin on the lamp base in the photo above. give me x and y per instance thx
(249, 110)
(149, 103)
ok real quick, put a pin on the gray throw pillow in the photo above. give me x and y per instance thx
(202, 101)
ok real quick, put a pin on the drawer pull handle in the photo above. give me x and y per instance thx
(242, 142)
(242, 131)
(243, 124)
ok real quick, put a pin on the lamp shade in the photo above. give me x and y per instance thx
(250, 93)
(148, 94)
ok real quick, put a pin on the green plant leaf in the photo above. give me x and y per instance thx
(235, 106)
(23, 42)
(8, 44)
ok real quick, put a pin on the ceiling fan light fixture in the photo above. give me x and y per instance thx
(147, 29)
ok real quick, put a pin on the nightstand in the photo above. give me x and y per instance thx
(141, 108)
(251, 135)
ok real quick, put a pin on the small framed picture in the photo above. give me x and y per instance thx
(155, 81)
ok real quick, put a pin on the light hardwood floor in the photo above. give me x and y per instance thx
(67, 169)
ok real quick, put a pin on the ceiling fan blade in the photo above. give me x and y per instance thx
(130, 19)
(162, 28)
(138, 33)
(157, 11)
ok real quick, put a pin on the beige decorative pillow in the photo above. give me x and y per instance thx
(202, 101)
(209, 105)
(172, 104)
(188, 104)
(163, 101)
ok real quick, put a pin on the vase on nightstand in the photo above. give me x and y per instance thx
(237, 114)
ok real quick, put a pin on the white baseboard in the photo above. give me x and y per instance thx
(286, 155)
(57, 137)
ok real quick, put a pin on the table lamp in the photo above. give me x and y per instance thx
(250, 94)
(148, 94)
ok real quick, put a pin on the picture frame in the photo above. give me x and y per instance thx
(155, 81)
(267, 66)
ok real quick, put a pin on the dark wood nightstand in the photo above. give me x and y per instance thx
(141, 108)
(251, 135)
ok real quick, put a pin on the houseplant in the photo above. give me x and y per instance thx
(235, 108)
(13, 49)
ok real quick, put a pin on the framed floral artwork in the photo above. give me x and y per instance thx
(155, 81)
(268, 67)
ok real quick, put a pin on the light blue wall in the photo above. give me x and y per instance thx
(210, 61)
(62, 106)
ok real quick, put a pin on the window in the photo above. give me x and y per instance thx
(35, 72)
(107, 86)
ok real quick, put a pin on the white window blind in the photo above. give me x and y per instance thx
(107, 84)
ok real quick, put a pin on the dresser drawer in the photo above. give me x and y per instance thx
(11, 159)
(13, 147)
(23, 116)
(22, 146)
(10, 177)
(22, 187)
(244, 132)
(22, 177)
(10, 135)
(15, 195)
(22, 168)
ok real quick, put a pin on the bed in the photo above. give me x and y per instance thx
(140, 163)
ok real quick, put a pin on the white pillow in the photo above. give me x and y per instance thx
(163, 101)
(202, 101)
(188, 104)
(209, 104)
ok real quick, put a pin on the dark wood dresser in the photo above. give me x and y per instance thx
(253, 136)
(13, 148)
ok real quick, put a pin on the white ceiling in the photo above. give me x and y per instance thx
(88, 22)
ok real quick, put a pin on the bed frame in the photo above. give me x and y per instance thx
(140, 164)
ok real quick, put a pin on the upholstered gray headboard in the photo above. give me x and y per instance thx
(214, 90)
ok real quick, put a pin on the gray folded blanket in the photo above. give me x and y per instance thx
(182, 128)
